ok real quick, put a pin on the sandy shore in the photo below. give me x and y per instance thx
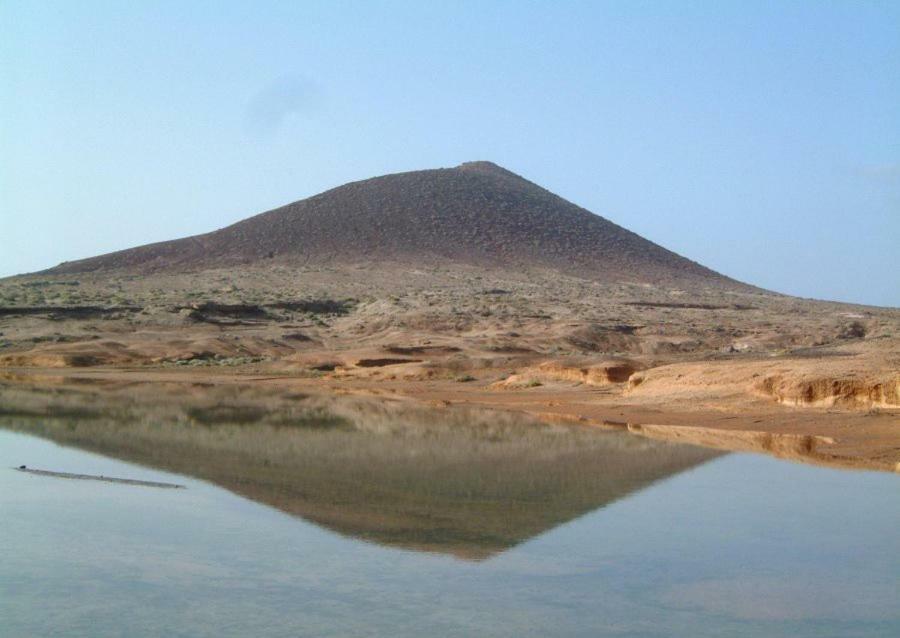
(803, 379)
(836, 437)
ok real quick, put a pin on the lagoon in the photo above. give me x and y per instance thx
(347, 517)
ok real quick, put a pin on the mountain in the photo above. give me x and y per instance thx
(477, 213)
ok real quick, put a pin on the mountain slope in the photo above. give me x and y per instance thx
(477, 213)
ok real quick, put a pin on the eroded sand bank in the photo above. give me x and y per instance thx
(722, 419)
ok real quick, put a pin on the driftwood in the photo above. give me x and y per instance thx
(107, 479)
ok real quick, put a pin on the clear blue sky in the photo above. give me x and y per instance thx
(759, 138)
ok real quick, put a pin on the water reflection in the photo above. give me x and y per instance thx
(465, 482)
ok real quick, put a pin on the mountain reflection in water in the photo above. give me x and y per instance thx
(466, 482)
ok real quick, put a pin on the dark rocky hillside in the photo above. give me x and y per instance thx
(477, 213)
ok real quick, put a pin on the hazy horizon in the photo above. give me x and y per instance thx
(762, 142)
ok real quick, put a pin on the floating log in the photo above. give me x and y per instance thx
(93, 477)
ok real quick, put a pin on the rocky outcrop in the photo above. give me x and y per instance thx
(879, 391)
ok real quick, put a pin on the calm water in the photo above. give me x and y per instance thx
(408, 524)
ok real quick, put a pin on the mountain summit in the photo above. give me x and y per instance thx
(477, 213)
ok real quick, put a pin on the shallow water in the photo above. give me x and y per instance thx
(426, 525)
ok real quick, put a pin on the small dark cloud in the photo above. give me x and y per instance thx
(274, 103)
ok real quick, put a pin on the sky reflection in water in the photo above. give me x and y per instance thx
(415, 524)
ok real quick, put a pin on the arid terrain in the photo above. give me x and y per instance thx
(473, 286)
